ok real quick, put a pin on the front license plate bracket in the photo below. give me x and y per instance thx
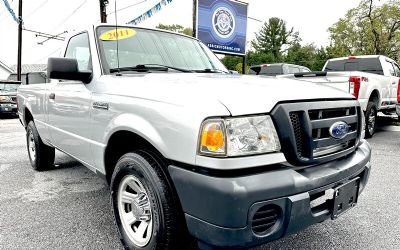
(345, 197)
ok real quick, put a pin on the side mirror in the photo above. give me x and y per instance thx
(66, 69)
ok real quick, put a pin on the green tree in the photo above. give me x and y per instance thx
(273, 37)
(176, 28)
(308, 55)
(231, 62)
(368, 29)
(257, 58)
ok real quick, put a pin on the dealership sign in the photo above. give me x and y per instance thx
(222, 25)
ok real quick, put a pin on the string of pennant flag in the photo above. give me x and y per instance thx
(12, 13)
(156, 8)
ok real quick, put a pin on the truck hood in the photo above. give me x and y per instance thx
(240, 94)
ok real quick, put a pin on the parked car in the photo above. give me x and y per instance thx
(8, 96)
(373, 80)
(189, 148)
(277, 69)
(30, 77)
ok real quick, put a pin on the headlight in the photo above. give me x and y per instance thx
(5, 99)
(239, 136)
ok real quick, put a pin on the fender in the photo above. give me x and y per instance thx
(138, 125)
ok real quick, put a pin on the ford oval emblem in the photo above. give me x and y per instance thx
(339, 130)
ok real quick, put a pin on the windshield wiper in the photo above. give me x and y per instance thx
(149, 67)
(210, 71)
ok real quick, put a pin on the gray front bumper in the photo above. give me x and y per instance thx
(217, 209)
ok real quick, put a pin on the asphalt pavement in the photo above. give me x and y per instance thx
(69, 207)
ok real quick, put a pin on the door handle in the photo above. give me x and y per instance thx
(52, 96)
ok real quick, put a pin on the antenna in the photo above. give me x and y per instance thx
(116, 32)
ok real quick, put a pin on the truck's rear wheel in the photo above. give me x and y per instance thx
(41, 156)
(371, 117)
(145, 212)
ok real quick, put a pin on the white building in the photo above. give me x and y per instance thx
(5, 71)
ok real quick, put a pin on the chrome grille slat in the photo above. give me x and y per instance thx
(324, 123)
(326, 142)
(326, 145)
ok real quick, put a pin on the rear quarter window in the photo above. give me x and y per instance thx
(369, 65)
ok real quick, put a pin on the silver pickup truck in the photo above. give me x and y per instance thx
(191, 151)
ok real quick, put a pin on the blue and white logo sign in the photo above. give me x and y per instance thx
(224, 22)
(339, 130)
(222, 25)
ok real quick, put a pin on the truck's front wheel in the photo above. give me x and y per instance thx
(371, 116)
(145, 212)
(41, 156)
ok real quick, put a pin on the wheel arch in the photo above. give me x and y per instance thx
(375, 97)
(28, 117)
(124, 141)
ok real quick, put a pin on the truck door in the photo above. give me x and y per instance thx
(70, 105)
(395, 82)
(389, 80)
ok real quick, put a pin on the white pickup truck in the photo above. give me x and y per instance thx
(189, 148)
(373, 80)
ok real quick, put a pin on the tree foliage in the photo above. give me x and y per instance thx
(273, 36)
(176, 28)
(368, 29)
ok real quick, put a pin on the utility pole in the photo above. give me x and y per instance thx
(103, 12)
(194, 17)
(19, 66)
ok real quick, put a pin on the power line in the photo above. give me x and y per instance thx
(47, 56)
(255, 19)
(48, 36)
(56, 37)
(68, 17)
(35, 10)
(127, 7)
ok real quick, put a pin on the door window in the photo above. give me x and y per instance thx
(78, 48)
(396, 69)
(293, 69)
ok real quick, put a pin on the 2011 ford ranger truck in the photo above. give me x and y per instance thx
(191, 151)
(374, 80)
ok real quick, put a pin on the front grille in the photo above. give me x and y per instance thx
(265, 219)
(322, 120)
(304, 130)
(298, 132)
(14, 99)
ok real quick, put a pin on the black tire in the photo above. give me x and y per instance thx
(166, 216)
(42, 157)
(371, 118)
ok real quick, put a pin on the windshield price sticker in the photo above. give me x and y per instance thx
(117, 34)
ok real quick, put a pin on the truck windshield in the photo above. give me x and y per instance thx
(9, 87)
(369, 65)
(140, 47)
